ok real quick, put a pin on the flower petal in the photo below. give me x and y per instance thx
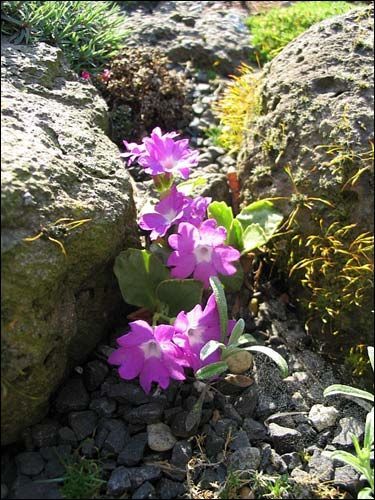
(222, 256)
(163, 333)
(117, 357)
(133, 364)
(211, 234)
(153, 371)
(204, 271)
(184, 264)
(140, 332)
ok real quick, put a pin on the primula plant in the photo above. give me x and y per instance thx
(177, 282)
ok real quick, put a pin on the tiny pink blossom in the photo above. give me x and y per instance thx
(195, 328)
(85, 75)
(201, 252)
(150, 354)
(106, 75)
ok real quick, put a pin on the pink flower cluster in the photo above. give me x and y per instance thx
(161, 154)
(158, 354)
(199, 248)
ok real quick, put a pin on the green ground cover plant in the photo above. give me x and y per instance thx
(89, 33)
(272, 30)
(362, 460)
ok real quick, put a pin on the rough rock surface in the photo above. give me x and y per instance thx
(56, 163)
(211, 35)
(315, 116)
(240, 434)
(317, 92)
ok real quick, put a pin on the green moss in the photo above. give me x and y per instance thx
(272, 30)
(274, 143)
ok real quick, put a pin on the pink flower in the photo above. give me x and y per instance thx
(134, 151)
(161, 154)
(168, 212)
(150, 354)
(195, 328)
(201, 252)
(196, 211)
(171, 210)
(85, 75)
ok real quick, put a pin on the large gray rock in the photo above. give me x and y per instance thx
(57, 162)
(317, 92)
(315, 115)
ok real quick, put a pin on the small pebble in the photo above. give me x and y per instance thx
(160, 437)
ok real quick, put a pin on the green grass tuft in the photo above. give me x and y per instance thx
(272, 30)
(82, 479)
(89, 33)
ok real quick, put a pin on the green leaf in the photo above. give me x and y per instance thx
(180, 295)
(211, 370)
(234, 282)
(189, 187)
(346, 390)
(235, 235)
(223, 214)
(210, 348)
(253, 237)
(139, 273)
(246, 338)
(369, 430)
(370, 352)
(264, 214)
(275, 356)
(365, 493)
(237, 331)
(348, 458)
(194, 416)
(221, 303)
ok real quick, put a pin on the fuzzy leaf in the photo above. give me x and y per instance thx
(194, 416)
(221, 303)
(223, 214)
(210, 348)
(346, 390)
(180, 295)
(247, 338)
(139, 273)
(365, 494)
(369, 430)
(237, 331)
(212, 370)
(275, 356)
(370, 352)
